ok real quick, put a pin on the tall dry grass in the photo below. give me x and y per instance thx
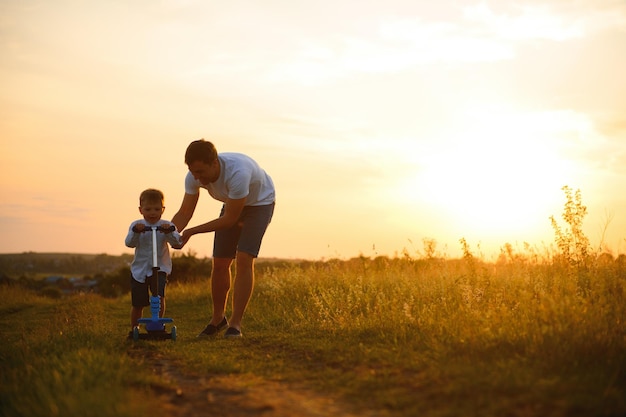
(537, 332)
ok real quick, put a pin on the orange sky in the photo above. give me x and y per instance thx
(381, 124)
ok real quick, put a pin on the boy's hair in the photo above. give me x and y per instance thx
(200, 150)
(151, 195)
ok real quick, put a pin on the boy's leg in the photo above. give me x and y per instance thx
(135, 315)
(139, 299)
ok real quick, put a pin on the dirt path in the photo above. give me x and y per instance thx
(236, 396)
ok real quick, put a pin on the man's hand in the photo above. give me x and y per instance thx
(139, 227)
(185, 236)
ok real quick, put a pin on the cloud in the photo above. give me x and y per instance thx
(443, 42)
(42, 209)
(529, 23)
(612, 127)
(597, 144)
(397, 45)
(548, 21)
(480, 33)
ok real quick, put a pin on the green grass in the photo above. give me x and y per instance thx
(525, 336)
(64, 358)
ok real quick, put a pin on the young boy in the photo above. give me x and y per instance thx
(151, 206)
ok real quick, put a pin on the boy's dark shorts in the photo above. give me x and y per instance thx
(140, 292)
(246, 235)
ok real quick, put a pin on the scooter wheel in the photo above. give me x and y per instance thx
(135, 333)
(173, 333)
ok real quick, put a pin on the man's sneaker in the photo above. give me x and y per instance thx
(211, 330)
(232, 333)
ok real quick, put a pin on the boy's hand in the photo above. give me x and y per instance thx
(167, 228)
(139, 227)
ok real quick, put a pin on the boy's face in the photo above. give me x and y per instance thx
(151, 212)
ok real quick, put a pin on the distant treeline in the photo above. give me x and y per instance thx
(33, 263)
(56, 274)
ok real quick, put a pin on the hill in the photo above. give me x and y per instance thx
(29, 264)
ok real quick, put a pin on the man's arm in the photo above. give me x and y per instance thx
(187, 207)
(232, 211)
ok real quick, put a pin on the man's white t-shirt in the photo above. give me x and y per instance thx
(240, 176)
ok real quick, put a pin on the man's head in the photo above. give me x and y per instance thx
(200, 150)
(201, 159)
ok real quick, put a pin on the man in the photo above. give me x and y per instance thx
(248, 195)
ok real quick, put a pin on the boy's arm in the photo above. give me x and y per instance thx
(178, 243)
(132, 238)
(173, 237)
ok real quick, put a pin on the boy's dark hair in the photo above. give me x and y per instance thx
(151, 195)
(200, 150)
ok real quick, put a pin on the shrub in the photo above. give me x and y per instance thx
(573, 245)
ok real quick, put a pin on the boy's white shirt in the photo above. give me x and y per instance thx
(141, 266)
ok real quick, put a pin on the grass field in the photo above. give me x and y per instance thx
(527, 335)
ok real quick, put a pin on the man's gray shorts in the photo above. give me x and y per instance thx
(246, 234)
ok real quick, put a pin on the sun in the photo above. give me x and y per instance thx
(497, 173)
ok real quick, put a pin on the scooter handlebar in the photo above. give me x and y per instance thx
(158, 228)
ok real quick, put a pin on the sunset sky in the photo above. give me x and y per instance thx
(382, 123)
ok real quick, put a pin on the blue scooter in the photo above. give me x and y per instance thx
(155, 325)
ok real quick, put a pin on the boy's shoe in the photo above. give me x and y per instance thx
(232, 333)
(211, 330)
(131, 334)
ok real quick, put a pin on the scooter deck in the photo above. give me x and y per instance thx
(155, 336)
(146, 320)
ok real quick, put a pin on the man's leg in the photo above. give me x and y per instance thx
(220, 286)
(244, 283)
